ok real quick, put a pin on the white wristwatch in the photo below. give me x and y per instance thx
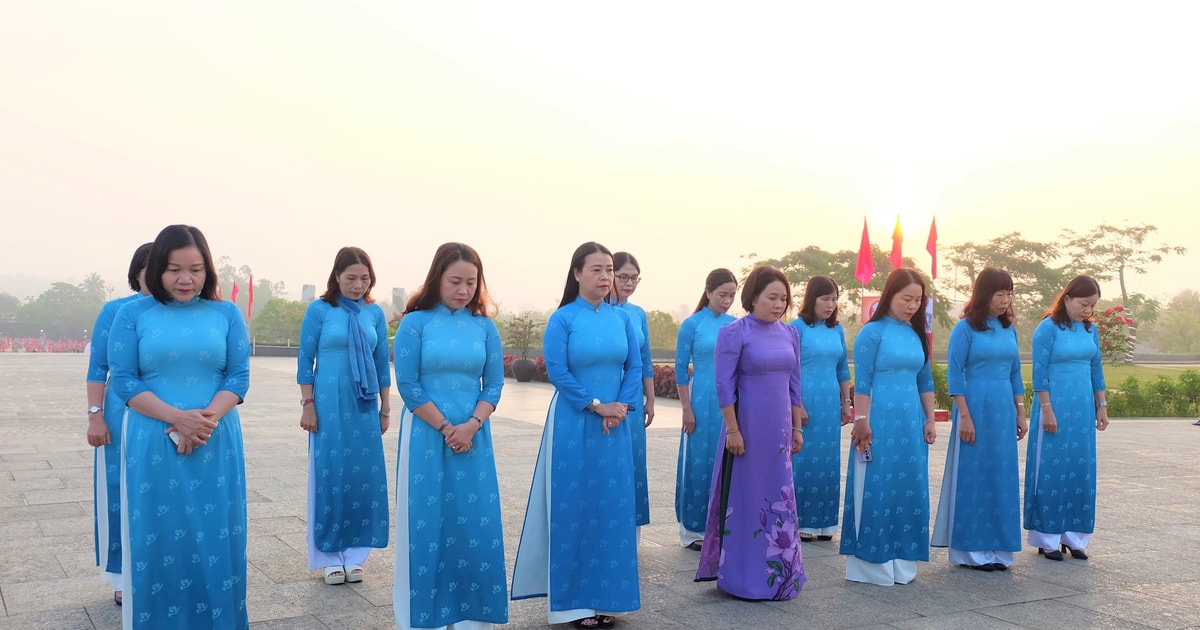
(95, 409)
(594, 405)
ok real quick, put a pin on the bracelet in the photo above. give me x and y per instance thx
(1045, 404)
(798, 430)
(1102, 403)
(1020, 404)
(385, 414)
(861, 417)
(733, 431)
(476, 419)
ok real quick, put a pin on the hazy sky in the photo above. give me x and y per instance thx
(689, 134)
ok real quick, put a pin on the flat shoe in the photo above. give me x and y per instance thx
(354, 573)
(1078, 554)
(1051, 554)
(695, 545)
(980, 567)
(594, 623)
(117, 598)
(823, 537)
(807, 537)
(999, 566)
(335, 575)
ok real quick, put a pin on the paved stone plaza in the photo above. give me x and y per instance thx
(1144, 571)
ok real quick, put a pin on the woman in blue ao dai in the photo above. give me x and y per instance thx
(105, 414)
(752, 540)
(696, 345)
(979, 508)
(180, 362)
(345, 407)
(450, 373)
(885, 519)
(825, 381)
(628, 275)
(1070, 406)
(579, 541)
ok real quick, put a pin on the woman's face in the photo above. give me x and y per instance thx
(354, 281)
(721, 298)
(906, 302)
(459, 283)
(1079, 308)
(825, 306)
(1001, 300)
(772, 303)
(184, 276)
(596, 278)
(627, 280)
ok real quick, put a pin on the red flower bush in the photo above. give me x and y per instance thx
(1118, 335)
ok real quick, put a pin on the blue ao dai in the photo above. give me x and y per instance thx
(1060, 468)
(695, 345)
(885, 520)
(979, 508)
(450, 568)
(106, 474)
(579, 541)
(347, 472)
(817, 468)
(183, 529)
(637, 426)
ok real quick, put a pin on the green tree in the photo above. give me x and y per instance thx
(1178, 329)
(523, 332)
(64, 310)
(264, 290)
(94, 286)
(278, 322)
(663, 330)
(1109, 252)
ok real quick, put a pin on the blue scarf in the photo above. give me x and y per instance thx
(362, 363)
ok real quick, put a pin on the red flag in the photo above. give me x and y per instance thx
(897, 239)
(233, 294)
(866, 263)
(250, 304)
(931, 247)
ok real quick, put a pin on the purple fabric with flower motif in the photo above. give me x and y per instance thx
(756, 555)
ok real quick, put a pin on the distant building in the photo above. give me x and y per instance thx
(399, 299)
(308, 293)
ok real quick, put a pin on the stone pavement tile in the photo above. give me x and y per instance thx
(1181, 597)
(106, 616)
(267, 601)
(955, 621)
(1021, 583)
(39, 479)
(79, 564)
(927, 598)
(19, 531)
(35, 464)
(11, 499)
(366, 619)
(1053, 613)
(269, 509)
(1120, 571)
(40, 512)
(71, 526)
(65, 618)
(25, 563)
(278, 561)
(840, 608)
(39, 595)
(275, 525)
(64, 495)
(1140, 607)
(307, 622)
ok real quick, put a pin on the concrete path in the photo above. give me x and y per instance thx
(1144, 571)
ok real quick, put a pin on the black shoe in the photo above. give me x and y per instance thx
(1051, 554)
(823, 537)
(999, 566)
(980, 567)
(1078, 554)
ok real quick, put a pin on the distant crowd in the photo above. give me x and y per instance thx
(41, 344)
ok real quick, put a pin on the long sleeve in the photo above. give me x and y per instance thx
(683, 350)
(727, 355)
(407, 358)
(794, 379)
(646, 360)
(98, 361)
(957, 352)
(631, 382)
(380, 354)
(866, 346)
(554, 350)
(1018, 384)
(237, 352)
(1097, 362)
(925, 378)
(310, 338)
(1043, 344)
(125, 377)
(493, 367)
(843, 364)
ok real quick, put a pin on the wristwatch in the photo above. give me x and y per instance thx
(95, 409)
(305, 401)
(594, 405)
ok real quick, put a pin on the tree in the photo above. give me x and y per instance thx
(64, 310)
(95, 286)
(278, 322)
(663, 330)
(1178, 329)
(264, 290)
(1109, 252)
(523, 332)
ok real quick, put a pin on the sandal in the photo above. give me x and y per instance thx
(354, 573)
(592, 623)
(808, 537)
(606, 621)
(335, 575)
(117, 597)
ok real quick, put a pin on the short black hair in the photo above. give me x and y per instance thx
(137, 264)
(171, 238)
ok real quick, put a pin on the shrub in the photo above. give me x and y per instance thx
(1117, 335)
